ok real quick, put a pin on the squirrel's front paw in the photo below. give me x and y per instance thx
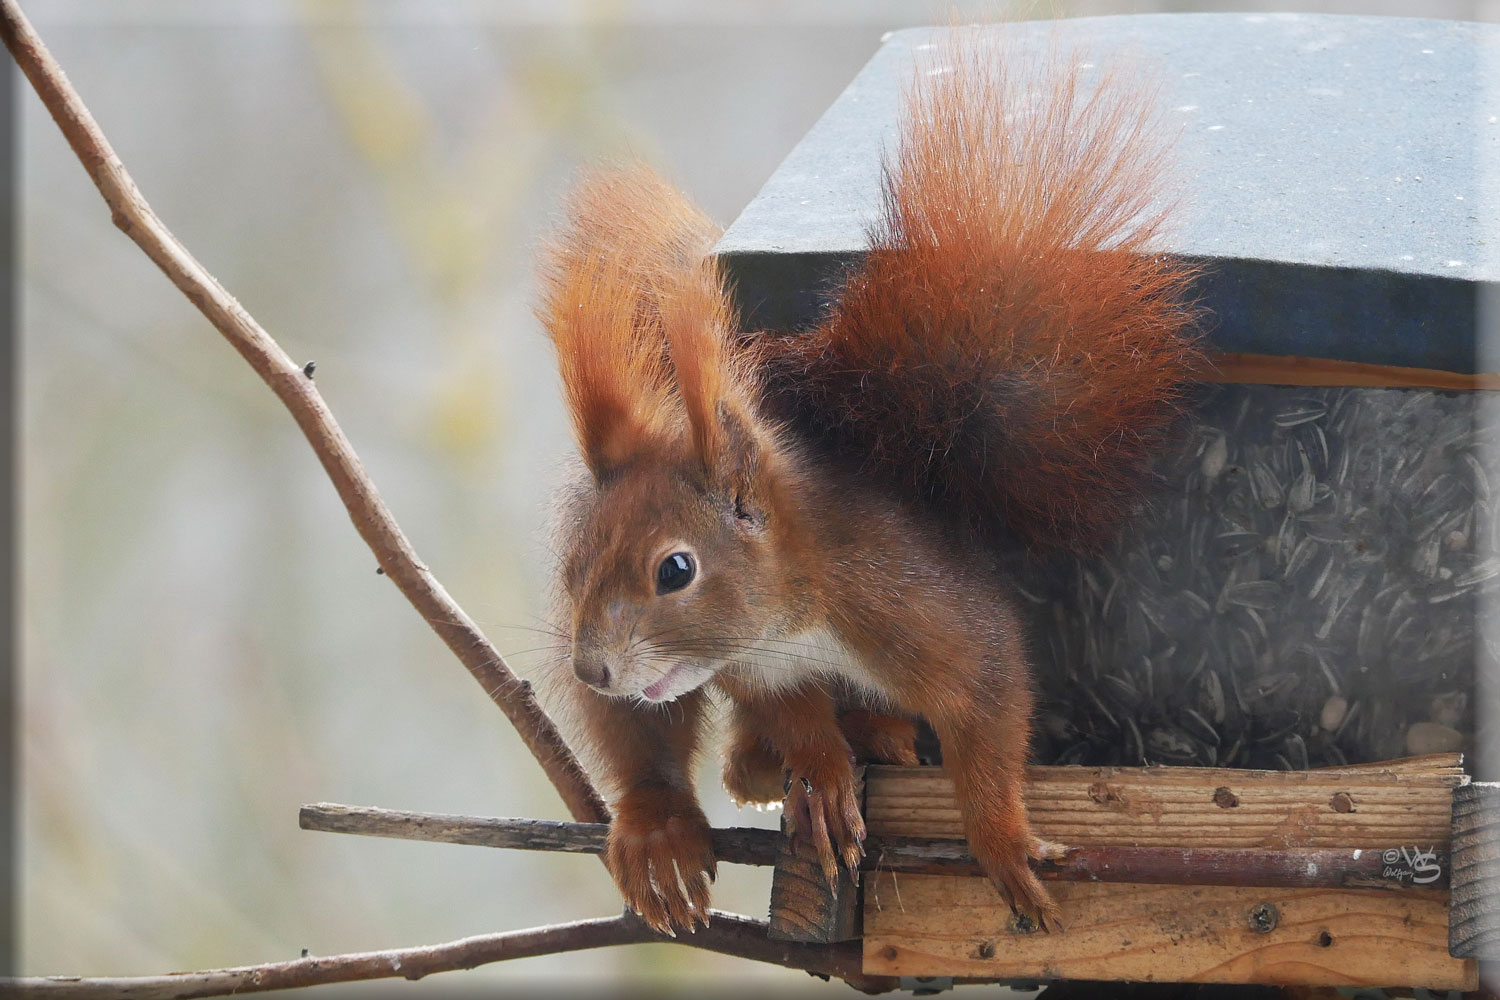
(1006, 859)
(661, 854)
(822, 805)
(753, 773)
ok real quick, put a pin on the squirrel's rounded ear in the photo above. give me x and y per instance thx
(748, 510)
(735, 452)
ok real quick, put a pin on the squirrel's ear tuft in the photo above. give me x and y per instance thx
(611, 279)
(616, 387)
(714, 375)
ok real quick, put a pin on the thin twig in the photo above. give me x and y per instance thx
(727, 933)
(372, 519)
(1291, 868)
(736, 845)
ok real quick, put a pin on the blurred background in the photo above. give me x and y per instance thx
(204, 642)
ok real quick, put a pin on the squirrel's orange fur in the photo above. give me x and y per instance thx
(806, 524)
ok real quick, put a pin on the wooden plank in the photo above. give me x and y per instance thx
(1295, 370)
(1474, 928)
(1450, 765)
(1402, 804)
(921, 925)
(927, 925)
(804, 907)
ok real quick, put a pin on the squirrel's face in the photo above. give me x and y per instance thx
(669, 579)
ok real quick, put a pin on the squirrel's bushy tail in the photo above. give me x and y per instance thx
(1012, 347)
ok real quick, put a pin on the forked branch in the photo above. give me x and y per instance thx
(728, 933)
(371, 517)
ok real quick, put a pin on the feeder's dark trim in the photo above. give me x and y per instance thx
(1382, 319)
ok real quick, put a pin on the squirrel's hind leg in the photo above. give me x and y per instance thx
(980, 706)
(987, 763)
(754, 772)
(876, 738)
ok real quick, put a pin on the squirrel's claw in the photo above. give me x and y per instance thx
(825, 809)
(1009, 870)
(664, 868)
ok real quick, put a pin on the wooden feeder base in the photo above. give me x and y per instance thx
(957, 926)
(934, 925)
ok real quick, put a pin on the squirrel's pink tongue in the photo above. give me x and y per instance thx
(657, 688)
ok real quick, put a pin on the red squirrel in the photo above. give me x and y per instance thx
(806, 526)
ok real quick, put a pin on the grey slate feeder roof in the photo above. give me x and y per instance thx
(1342, 178)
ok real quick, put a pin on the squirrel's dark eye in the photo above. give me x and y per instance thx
(674, 573)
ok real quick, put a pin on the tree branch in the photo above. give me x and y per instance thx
(727, 934)
(1291, 868)
(736, 845)
(372, 519)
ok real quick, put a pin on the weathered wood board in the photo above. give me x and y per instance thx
(922, 925)
(804, 907)
(1403, 802)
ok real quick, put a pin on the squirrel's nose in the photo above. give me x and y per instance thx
(592, 669)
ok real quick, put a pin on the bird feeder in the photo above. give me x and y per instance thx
(1255, 707)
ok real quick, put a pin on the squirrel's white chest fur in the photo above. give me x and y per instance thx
(781, 663)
